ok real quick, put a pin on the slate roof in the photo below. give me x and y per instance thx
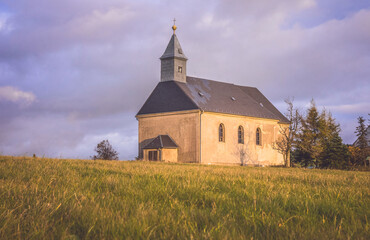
(167, 97)
(210, 96)
(173, 49)
(162, 141)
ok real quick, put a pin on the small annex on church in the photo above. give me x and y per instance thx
(194, 120)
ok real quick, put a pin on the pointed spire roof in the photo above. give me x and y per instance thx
(174, 49)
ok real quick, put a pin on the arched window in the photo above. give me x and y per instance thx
(221, 133)
(241, 135)
(258, 137)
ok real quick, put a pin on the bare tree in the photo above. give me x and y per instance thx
(105, 151)
(288, 134)
(243, 152)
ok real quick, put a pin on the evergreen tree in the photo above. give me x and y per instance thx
(361, 142)
(335, 154)
(319, 142)
(309, 147)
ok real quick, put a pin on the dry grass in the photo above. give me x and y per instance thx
(85, 199)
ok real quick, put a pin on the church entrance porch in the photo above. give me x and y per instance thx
(161, 148)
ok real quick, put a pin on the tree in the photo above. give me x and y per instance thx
(105, 151)
(308, 144)
(244, 153)
(319, 143)
(361, 142)
(334, 153)
(288, 134)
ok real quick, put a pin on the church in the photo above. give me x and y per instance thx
(194, 120)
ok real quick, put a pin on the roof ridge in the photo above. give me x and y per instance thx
(173, 49)
(198, 78)
(191, 99)
(259, 103)
(248, 98)
(147, 100)
(246, 86)
(160, 140)
(172, 140)
(268, 101)
(167, 97)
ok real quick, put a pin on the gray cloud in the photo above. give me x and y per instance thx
(92, 64)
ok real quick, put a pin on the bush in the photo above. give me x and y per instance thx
(105, 151)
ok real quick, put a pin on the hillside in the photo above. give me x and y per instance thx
(85, 199)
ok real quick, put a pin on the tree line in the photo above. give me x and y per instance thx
(313, 140)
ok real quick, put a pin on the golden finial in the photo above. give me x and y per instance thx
(174, 26)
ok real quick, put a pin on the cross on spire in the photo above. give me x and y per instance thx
(174, 26)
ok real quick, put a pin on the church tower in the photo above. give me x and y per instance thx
(173, 61)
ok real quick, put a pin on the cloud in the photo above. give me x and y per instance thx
(57, 136)
(357, 108)
(93, 63)
(15, 95)
(5, 26)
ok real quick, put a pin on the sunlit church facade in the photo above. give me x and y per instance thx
(194, 120)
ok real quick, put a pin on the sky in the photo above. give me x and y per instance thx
(73, 73)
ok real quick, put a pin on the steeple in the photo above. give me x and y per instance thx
(174, 49)
(173, 61)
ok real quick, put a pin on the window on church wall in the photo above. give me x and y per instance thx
(179, 69)
(221, 133)
(241, 135)
(258, 136)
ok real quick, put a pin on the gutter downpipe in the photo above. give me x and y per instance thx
(200, 136)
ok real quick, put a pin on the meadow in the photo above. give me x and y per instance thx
(86, 199)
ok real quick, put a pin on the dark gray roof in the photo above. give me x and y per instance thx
(173, 49)
(162, 141)
(167, 97)
(260, 98)
(210, 96)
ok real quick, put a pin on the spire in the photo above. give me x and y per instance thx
(173, 60)
(173, 49)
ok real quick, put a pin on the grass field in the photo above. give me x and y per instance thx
(85, 199)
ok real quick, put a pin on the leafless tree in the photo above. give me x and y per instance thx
(288, 133)
(244, 153)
